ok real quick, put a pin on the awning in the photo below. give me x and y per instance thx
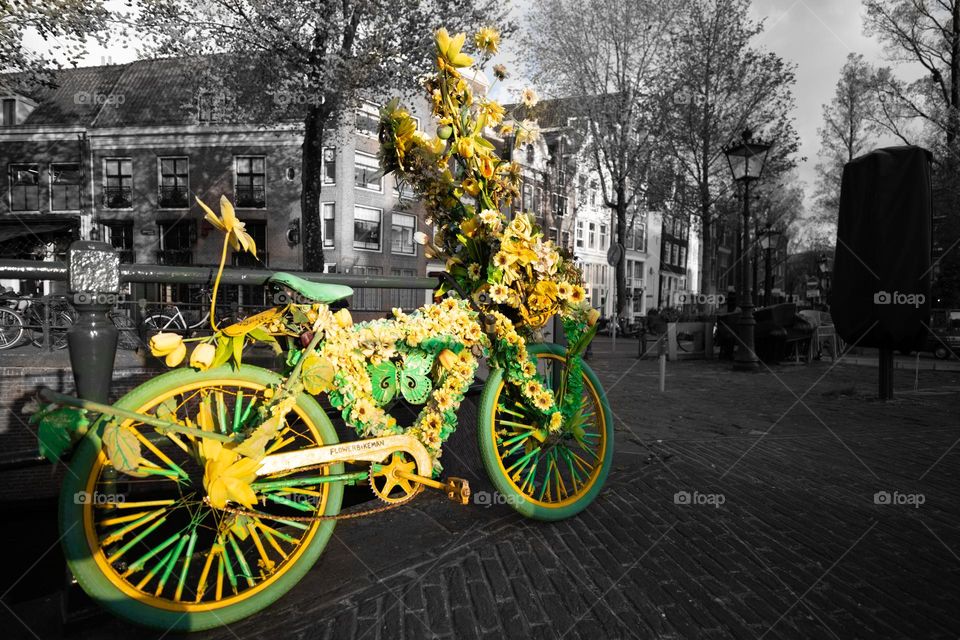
(23, 229)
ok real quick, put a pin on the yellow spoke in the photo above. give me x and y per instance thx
(136, 505)
(202, 585)
(273, 543)
(268, 564)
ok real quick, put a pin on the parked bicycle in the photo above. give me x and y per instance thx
(204, 494)
(171, 318)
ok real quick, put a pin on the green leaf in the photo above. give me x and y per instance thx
(222, 354)
(238, 350)
(59, 430)
(317, 374)
(122, 447)
(167, 410)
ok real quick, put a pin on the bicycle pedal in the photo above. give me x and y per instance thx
(457, 490)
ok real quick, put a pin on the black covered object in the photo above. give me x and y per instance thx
(881, 281)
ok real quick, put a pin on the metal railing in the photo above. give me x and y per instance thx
(118, 197)
(173, 198)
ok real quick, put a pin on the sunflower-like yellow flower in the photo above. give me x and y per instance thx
(543, 401)
(449, 49)
(491, 113)
(564, 289)
(529, 97)
(499, 293)
(556, 421)
(487, 40)
(227, 222)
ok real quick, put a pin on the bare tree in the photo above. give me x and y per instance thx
(848, 127)
(718, 85)
(321, 56)
(607, 55)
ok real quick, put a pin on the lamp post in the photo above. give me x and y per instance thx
(746, 159)
(768, 242)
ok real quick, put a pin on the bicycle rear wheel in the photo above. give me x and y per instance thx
(60, 322)
(11, 328)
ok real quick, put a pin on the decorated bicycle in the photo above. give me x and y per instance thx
(206, 493)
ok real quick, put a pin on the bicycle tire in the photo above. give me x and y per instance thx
(11, 328)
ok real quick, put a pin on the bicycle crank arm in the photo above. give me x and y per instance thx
(368, 450)
(456, 489)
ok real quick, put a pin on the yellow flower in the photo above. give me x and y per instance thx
(447, 358)
(532, 389)
(469, 226)
(466, 147)
(491, 218)
(502, 259)
(471, 186)
(563, 290)
(343, 318)
(592, 316)
(499, 293)
(169, 345)
(508, 129)
(486, 166)
(577, 295)
(228, 223)
(527, 131)
(547, 289)
(473, 271)
(202, 356)
(543, 401)
(492, 113)
(432, 422)
(529, 97)
(529, 369)
(500, 72)
(522, 226)
(228, 478)
(487, 40)
(363, 410)
(556, 421)
(449, 49)
(444, 399)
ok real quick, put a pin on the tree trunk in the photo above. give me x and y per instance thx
(311, 181)
(621, 238)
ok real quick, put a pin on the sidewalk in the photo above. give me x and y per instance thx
(784, 504)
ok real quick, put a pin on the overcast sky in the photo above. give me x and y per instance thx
(816, 35)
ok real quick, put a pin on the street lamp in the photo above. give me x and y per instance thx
(746, 159)
(768, 242)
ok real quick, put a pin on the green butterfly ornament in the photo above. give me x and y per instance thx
(411, 376)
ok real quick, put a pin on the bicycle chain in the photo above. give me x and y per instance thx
(340, 516)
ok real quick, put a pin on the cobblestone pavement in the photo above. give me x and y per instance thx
(784, 504)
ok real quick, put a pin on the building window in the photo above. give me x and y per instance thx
(368, 120)
(9, 112)
(120, 237)
(538, 201)
(366, 172)
(406, 299)
(593, 192)
(65, 182)
(118, 186)
(565, 237)
(580, 234)
(251, 181)
(529, 154)
(404, 226)
(329, 165)
(176, 240)
(24, 187)
(527, 203)
(329, 222)
(561, 209)
(675, 254)
(603, 236)
(683, 257)
(367, 298)
(174, 183)
(665, 254)
(591, 235)
(638, 235)
(366, 228)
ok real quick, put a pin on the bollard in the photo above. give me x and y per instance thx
(94, 283)
(662, 356)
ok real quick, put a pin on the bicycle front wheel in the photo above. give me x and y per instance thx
(543, 476)
(60, 322)
(11, 329)
(149, 548)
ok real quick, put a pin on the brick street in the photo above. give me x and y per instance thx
(784, 504)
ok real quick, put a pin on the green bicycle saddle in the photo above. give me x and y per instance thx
(313, 291)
